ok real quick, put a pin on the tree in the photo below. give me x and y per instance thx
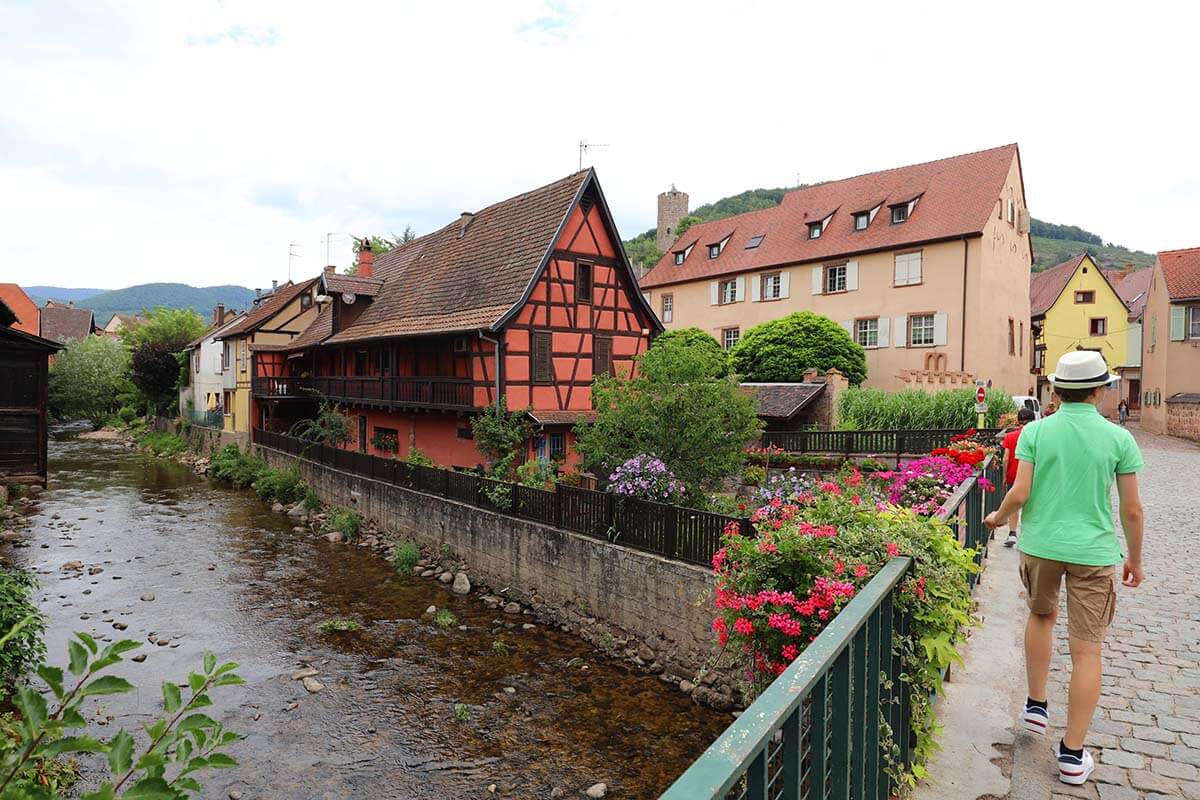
(502, 437)
(154, 346)
(86, 378)
(782, 349)
(685, 223)
(675, 353)
(379, 245)
(698, 428)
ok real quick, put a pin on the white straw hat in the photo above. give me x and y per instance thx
(1081, 369)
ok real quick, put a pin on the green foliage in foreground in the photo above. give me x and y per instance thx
(347, 522)
(405, 556)
(177, 747)
(86, 378)
(877, 410)
(232, 465)
(22, 649)
(280, 486)
(444, 618)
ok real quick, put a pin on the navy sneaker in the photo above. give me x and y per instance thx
(1035, 719)
(1072, 769)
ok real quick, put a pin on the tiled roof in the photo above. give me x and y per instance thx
(455, 279)
(550, 417)
(1047, 285)
(22, 306)
(320, 329)
(955, 197)
(1184, 397)
(62, 323)
(782, 400)
(268, 308)
(1134, 289)
(1181, 271)
(212, 330)
(364, 287)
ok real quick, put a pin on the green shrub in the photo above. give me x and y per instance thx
(876, 410)
(280, 486)
(311, 501)
(338, 625)
(347, 522)
(500, 648)
(163, 444)
(417, 458)
(461, 712)
(444, 618)
(24, 650)
(127, 414)
(232, 465)
(753, 475)
(538, 473)
(405, 556)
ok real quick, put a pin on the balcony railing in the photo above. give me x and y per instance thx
(390, 392)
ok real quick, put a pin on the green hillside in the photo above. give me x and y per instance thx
(134, 299)
(1052, 243)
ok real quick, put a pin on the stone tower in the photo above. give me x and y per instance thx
(672, 207)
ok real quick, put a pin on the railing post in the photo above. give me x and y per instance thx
(557, 507)
(671, 533)
(611, 509)
(445, 483)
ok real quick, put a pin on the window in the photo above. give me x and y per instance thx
(541, 357)
(305, 301)
(226, 356)
(1085, 296)
(862, 220)
(196, 360)
(714, 250)
(245, 359)
(1194, 322)
(602, 355)
(755, 241)
(814, 230)
(668, 307)
(729, 337)
(1097, 326)
(908, 268)
(1012, 211)
(899, 213)
(1021, 339)
(727, 292)
(866, 332)
(583, 282)
(362, 360)
(772, 286)
(558, 445)
(835, 279)
(1012, 337)
(466, 433)
(920, 330)
(679, 256)
(227, 403)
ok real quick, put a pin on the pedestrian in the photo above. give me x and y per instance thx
(1024, 417)
(1123, 411)
(1068, 464)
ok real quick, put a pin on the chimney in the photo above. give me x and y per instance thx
(812, 375)
(274, 286)
(467, 216)
(257, 293)
(70, 304)
(219, 314)
(331, 269)
(366, 263)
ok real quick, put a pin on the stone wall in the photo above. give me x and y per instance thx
(1183, 418)
(201, 438)
(665, 604)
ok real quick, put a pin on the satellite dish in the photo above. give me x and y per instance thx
(348, 298)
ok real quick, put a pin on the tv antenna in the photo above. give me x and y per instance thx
(292, 246)
(583, 148)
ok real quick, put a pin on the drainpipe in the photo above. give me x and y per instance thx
(962, 352)
(496, 357)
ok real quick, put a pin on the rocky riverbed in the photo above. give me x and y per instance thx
(397, 705)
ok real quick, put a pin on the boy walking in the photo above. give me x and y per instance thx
(1068, 464)
(1024, 417)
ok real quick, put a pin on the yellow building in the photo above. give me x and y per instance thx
(274, 320)
(1075, 306)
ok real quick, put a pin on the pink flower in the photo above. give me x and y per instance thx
(893, 549)
(743, 626)
(860, 571)
(789, 652)
(767, 546)
(838, 568)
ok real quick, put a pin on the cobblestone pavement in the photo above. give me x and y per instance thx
(1146, 733)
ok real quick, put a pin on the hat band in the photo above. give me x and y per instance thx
(1082, 383)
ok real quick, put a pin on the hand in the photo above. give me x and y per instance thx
(993, 520)
(1131, 574)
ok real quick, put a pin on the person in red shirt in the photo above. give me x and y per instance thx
(1024, 416)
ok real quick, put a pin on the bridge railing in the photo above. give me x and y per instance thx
(889, 442)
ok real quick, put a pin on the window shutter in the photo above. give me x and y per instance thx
(739, 289)
(784, 280)
(1178, 323)
(602, 355)
(914, 268)
(818, 279)
(714, 289)
(901, 330)
(940, 324)
(542, 369)
(756, 288)
(901, 276)
(884, 326)
(851, 276)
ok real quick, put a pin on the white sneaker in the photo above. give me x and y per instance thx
(1035, 719)
(1011, 540)
(1072, 769)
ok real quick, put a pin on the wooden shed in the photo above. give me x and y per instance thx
(24, 360)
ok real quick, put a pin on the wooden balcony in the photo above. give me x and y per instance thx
(450, 394)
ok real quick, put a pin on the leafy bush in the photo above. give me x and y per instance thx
(23, 649)
(338, 626)
(417, 458)
(677, 355)
(154, 346)
(501, 437)
(538, 473)
(405, 556)
(280, 486)
(646, 477)
(330, 426)
(781, 350)
(347, 522)
(311, 501)
(444, 618)
(127, 414)
(162, 444)
(874, 409)
(385, 442)
(754, 475)
(185, 737)
(232, 465)
(461, 712)
(86, 378)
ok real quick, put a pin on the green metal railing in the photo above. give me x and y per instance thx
(817, 732)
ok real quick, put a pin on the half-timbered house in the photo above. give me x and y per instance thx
(24, 360)
(526, 300)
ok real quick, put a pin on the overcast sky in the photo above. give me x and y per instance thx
(195, 141)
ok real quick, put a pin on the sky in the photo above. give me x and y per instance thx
(202, 142)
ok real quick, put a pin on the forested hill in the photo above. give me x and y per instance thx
(1052, 243)
(134, 299)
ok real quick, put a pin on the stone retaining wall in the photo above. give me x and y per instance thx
(201, 438)
(1183, 419)
(665, 604)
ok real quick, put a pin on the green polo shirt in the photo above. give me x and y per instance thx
(1076, 455)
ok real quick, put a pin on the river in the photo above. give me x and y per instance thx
(548, 715)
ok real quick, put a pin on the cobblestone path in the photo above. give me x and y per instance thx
(1146, 734)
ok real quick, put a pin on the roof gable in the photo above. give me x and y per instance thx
(255, 318)
(1047, 286)
(1181, 272)
(64, 323)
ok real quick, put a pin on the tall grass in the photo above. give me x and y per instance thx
(873, 409)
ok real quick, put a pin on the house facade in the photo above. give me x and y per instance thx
(202, 398)
(1171, 346)
(1076, 305)
(24, 367)
(926, 266)
(274, 320)
(525, 300)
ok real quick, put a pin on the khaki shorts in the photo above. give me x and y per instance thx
(1091, 594)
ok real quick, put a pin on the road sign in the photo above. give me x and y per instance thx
(980, 396)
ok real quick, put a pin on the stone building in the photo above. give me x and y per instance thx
(672, 207)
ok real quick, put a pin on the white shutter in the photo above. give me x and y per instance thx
(784, 280)
(756, 288)
(940, 322)
(884, 326)
(848, 324)
(1178, 323)
(714, 288)
(914, 268)
(851, 276)
(740, 289)
(901, 330)
(901, 275)
(818, 278)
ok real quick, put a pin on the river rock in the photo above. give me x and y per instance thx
(428, 573)
(512, 608)
(71, 566)
(34, 491)
(9, 536)
(95, 570)
(312, 685)
(301, 674)
(462, 584)
(299, 529)
(120, 626)
(139, 658)
(597, 790)
(446, 577)
(334, 536)
(277, 508)
(297, 511)
(148, 597)
(235, 795)
(431, 610)
(686, 687)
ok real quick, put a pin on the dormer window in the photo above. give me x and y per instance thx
(861, 220)
(899, 213)
(814, 230)
(755, 241)
(679, 256)
(714, 250)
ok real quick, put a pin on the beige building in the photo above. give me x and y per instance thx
(926, 266)
(1171, 346)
